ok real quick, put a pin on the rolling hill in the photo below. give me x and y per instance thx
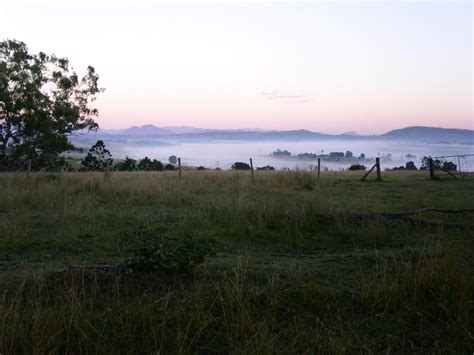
(185, 133)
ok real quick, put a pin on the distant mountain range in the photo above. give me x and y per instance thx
(152, 130)
(186, 133)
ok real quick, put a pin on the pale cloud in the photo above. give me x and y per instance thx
(284, 98)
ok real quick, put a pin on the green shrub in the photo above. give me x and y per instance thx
(240, 166)
(356, 167)
(150, 165)
(128, 164)
(267, 167)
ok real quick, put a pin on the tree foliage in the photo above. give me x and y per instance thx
(438, 164)
(410, 166)
(173, 159)
(42, 102)
(150, 165)
(128, 164)
(266, 167)
(356, 167)
(240, 166)
(98, 158)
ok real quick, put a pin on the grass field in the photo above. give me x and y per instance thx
(290, 270)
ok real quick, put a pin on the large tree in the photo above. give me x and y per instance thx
(42, 102)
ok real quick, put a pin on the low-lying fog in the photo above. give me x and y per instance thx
(224, 154)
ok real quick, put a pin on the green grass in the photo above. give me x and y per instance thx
(291, 273)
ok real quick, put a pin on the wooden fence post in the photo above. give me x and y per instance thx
(377, 163)
(319, 167)
(375, 166)
(251, 169)
(107, 173)
(28, 168)
(179, 168)
(430, 163)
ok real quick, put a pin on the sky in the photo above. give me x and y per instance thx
(327, 66)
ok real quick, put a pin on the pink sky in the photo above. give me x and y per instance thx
(329, 67)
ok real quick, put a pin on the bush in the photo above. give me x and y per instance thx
(128, 164)
(170, 167)
(281, 152)
(267, 167)
(356, 167)
(401, 167)
(150, 165)
(438, 164)
(449, 166)
(240, 166)
(201, 168)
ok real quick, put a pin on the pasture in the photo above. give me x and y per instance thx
(289, 265)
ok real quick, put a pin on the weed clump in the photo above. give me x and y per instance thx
(150, 253)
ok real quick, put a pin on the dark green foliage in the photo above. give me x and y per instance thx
(408, 166)
(349, 154)
(280, 152)
(150, 165)
(240, 166)
(356, 167)
(170, 167)
(449, 166)
(200, 168)
(128, 164)
(42, 102)
(438, 164)
(98, 158)
(425, 163)
(267, 167)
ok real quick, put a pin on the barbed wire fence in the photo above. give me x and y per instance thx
(460, 165)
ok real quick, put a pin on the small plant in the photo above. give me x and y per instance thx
(150, 252)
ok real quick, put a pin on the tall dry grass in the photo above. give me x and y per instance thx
(290, 275)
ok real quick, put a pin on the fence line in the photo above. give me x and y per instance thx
(452, 169)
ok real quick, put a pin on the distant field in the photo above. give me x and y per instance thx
(291, 267)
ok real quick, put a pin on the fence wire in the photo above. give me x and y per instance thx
(461, 164)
